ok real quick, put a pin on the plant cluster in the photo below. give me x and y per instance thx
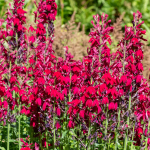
(101, 102)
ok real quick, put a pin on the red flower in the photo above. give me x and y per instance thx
(134, 40)
(25, 148)
(32, 39)
(16, 21)
(70, 124)
(44, 105)
(31, 29)
(75, 90)
(74, 78)
(113, 106)
(140, 66)
(58, 112)
(138, 79)
(89, 103)
(99, 109)
(5, 104)
(91, 90)
(41, 80)
(123, 79)
(82, 114)
(58, 125)
(31, 98)
(139, 132)
(38, 101)
(105, 100)
(57, 75)
(2, 91)
(114, 92)
(76, 69)
(108, 39)
(65, 68)
(12, 80)
(129, 81)
(75, 102)
(31, 61)
(21, 11)
(96, 103)
(107, 77)
(102, 88)
(139, 54)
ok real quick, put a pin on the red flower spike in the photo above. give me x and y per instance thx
(38, 101)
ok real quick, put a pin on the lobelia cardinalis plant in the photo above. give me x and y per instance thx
(91, 104)
(13, 51)
(132, 81)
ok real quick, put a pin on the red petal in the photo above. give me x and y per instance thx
(38, 101)
(82, 114)
(44, 105)
(58, 112)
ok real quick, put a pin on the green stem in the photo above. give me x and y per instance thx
(66, 138)
(54, 138)
(8, 129)
(41, 146)
(108, 143)
(0, 135)
(46, 139)
(19, 128)
(96, 137)
(79, 134)
(89, 141)
(132, 136)
(78, 145)
(8, 126)
(143, 134)
(126, 136)
(146, 148)
(117, 128)
(106, 124)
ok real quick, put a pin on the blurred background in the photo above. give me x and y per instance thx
(73, 23)
(85, 9)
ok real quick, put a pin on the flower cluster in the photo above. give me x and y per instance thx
(103, 97)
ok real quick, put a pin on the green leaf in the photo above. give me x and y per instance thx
(2, 148)
(12, 140)
(29, 82)
(96, 144)
(119, 145)
(64, 133)
(8, 38)
(13, 94)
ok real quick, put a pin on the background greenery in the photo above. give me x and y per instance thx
(85, 9)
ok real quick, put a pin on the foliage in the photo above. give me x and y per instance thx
(86, 9)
